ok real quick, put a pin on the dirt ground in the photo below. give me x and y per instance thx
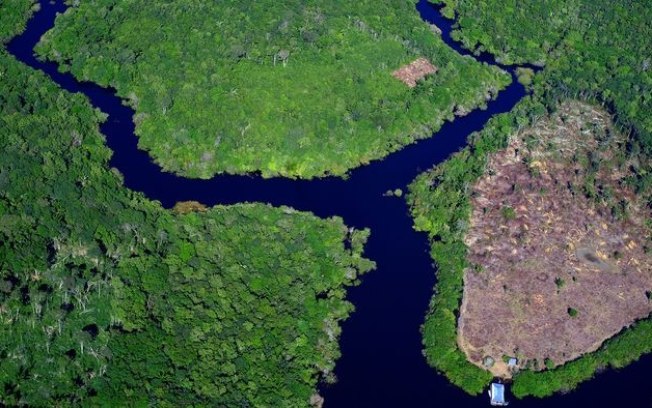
(414, 71)
(557, 244)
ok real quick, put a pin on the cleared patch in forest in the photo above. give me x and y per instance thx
(415, 71)
(558, 246)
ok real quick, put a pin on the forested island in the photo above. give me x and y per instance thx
(285, 88)
(489, 227)
(107, 299)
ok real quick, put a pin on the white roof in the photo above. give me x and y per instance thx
(497, 394)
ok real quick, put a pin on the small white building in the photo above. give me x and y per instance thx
(512, 362)
(497, 395)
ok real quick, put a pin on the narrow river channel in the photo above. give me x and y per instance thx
(381, 364)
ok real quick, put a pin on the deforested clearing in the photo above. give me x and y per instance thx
(557, 245)
(414, 71)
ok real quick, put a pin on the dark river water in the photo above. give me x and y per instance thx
(382, 363)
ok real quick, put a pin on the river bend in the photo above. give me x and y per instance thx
(381, 364)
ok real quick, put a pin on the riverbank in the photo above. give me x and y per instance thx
(442, 207)
(108, 299)
(440, 199)
(292, 90)
(381, 362)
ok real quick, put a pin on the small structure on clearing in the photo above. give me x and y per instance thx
(414, 71)
(497, 395)
(512, 362)
(488, 361)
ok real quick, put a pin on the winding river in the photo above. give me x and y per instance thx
(381, 364)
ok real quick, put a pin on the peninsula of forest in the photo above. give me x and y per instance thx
(289, 88)
(541, 228)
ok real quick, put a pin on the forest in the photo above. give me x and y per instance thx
(591, 51)
(289, 88)
(108, 299)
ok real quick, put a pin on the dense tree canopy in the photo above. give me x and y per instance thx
(108, 299)
(594, 48)
(292, 88)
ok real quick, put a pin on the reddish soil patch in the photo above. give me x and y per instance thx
(557, 245)
(414, 71)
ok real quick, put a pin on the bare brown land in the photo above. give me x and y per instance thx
(414, 71)
(557, 244)
(185, 207)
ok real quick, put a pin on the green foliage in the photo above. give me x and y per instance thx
(54, 279)
(440, 328)
(591, 48)
(525, 76)
(13, 17)
(107, 299)
(245, 302)
(616, 352)
(508, 213)
(440, 206)
(292, 88)
(522, 31)
(572, 312)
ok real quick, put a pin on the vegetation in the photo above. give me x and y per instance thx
(12, 19)
(107, 299)
(616, 353)
(591, 48)
(285, 88)
(525, 76)
(508, 213)
(440, 204)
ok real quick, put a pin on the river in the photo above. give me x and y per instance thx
(382, 363)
